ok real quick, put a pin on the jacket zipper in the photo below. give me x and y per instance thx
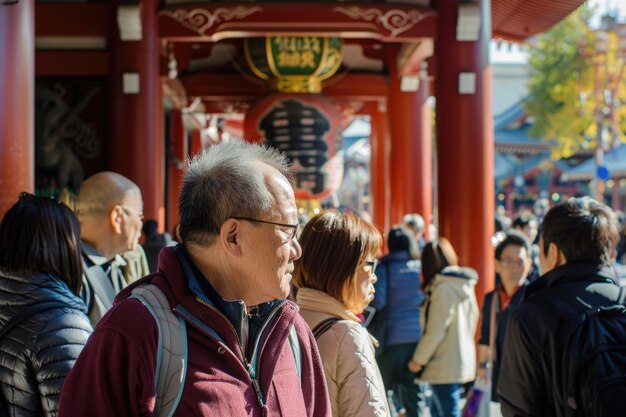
(248, 365)
(260, 332)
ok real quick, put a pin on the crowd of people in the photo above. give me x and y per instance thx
(248, 316)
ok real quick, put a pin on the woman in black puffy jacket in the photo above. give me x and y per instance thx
(39, 262)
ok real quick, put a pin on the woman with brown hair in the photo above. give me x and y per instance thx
(335, 280)
(445, 357)
(40, 311)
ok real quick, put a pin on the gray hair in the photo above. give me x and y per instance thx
(414, 220)
(225, 181)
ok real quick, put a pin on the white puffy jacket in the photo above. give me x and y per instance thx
(354, 382)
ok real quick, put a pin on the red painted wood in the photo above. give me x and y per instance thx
(136, 145)
(398, 22)
(195, 143)
(17, 107)
(420, 158)
(233, 87)
(179, 151)
(411, 155)
(379, 166)
(73, 19)
(516, 20)
(465, 189)
(72, 63)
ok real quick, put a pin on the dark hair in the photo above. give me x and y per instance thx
(513, 238)
(399, 239)
(499, 224)
(150, 228)
(334, 244)
(524, 220)
(437, 255)
(42, 235)
(583, 229)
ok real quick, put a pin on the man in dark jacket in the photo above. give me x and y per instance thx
(227, 281)
(577, 244)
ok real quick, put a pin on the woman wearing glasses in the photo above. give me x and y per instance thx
(43, 320)
(445, 357)
(335, 280)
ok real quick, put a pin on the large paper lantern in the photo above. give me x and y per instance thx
(294, 64)
(304, 127)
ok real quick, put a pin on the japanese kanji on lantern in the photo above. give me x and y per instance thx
(295, 118)
(304, 127)
(294, 64)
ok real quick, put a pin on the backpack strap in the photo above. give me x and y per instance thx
(621, 296)
(294, 344)
(172, 350)
(100, 285)
(323, 326)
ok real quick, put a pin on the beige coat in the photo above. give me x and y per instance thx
(447, 346)
(354, 382)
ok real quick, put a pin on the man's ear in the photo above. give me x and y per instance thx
(116, 219)
(229, 237)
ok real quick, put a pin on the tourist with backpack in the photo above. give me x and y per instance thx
(399, 298)
(43, 321)
(216, 308)
(335, 279)
(565, 343)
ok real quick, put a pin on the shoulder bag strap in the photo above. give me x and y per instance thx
(296, 351)
(323, 326)
(621, 296)
(172, 351)
(100, 283)
(491, 355)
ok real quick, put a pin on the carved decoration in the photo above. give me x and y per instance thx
(395, 21)
(200, 20)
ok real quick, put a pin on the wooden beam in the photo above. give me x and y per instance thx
(216, 21)
(71, 63)
(234, 87)
(72, 19)
(411, 56)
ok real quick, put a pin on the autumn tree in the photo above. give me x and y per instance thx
(577, 85)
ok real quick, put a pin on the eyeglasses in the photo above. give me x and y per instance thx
(294, 227)
(136, 213)
(507, 263)
(373, 264)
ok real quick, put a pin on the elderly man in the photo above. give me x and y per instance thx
(110, 210)
(227, 282)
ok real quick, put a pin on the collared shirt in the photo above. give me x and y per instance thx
(247, 325)
(98, 292)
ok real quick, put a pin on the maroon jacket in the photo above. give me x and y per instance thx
(115, 373)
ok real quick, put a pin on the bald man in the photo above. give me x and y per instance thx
(110, 210)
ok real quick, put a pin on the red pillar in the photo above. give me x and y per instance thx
(411, 155)
(179, 152)
(422, 196)
(136, 146)
(379, 165)
(465, 144)
(195, 143)
(17, 104)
